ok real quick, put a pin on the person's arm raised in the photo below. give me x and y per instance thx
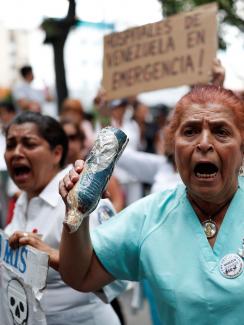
(78, 265)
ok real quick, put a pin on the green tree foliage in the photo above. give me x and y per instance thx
(228, 12)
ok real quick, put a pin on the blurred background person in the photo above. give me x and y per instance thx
(76, 144)
(143, 117)
(120, 117)
(7, 113)
(9, 191)
(76, 140)
(161, 116)
(26, 97)
(73, 110)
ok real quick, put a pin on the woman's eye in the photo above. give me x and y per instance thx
(10, 145)
(189, 132)
(222, 132)
(30, 145)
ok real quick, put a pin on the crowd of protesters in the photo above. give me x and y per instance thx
(22, 122)
(140, 171)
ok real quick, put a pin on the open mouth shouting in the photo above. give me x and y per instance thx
(20, 172)
(206, 170)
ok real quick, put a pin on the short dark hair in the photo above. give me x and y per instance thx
(48, 128)
(25, 70)
(8, 106)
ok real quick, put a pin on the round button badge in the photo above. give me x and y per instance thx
(104, 213)
(231, 266)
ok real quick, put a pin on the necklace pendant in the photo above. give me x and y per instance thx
(210, 228)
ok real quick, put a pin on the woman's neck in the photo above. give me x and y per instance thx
(207, 206)
(37, 192)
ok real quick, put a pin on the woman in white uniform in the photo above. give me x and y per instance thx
(36, 148)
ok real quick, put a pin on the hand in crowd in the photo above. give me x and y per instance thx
(21, 238)
(100, 99)
(102, 107)
(218, 73)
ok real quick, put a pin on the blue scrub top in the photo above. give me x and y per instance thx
(160, 238)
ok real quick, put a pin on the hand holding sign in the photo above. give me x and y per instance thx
(23, 274)
(218, 73)
(20, 238)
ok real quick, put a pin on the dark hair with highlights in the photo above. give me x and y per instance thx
(48, 128)
(204, 95)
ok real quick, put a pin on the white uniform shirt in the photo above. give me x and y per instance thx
(25, 90)
(62, 304)
(132, 186)
(150, 168)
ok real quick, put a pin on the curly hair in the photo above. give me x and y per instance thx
(204, 95)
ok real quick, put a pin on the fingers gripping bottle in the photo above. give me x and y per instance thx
(98, 167)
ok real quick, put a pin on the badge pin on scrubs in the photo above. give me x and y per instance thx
(231, 266)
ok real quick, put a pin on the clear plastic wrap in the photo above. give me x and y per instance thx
(98, 168)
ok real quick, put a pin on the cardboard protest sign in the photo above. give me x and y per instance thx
(23, 274)
(172, 52)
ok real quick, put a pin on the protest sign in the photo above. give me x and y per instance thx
(23, 274)
(176, 51)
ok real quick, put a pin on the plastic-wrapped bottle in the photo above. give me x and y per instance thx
(98, 168)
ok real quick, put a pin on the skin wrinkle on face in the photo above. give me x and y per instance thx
(204, 95)
(204, 109)
(26, 148)
(226, 151)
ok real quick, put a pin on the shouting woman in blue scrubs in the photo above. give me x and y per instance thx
(187, 242)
